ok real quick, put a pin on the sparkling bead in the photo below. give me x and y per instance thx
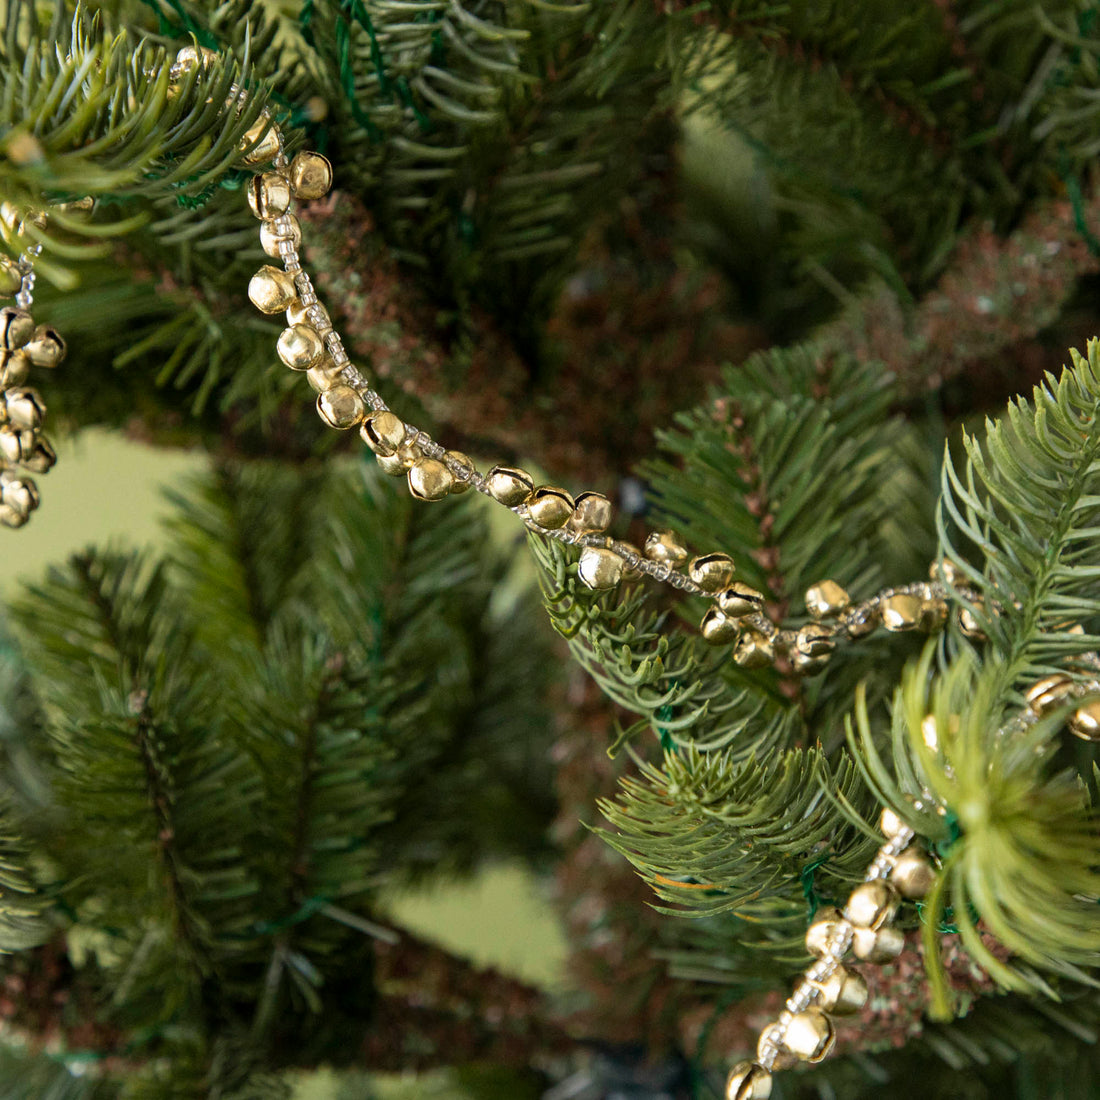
(16, 328)
(271, 236)
(509, 485)
(860, 621)
(717, 628)
(457, 458)
(1048, 694)
(770, 1047)
(912, 874)
(877, 946)
(310, 175)
(711, 572)
(748, 1081)
(383, 432)
(901, 612)
(300, 347)
(429, 479)
(843, 992)
(340, 406)
(550, 507)
(826, 599)
(271, 289)
(810, 1035)
(1084, 722)
(815, 640)
(739, 599)
(823, 929)
(257, 145)
(23, 409)
(872, 904)
(945, 571)
(591, 514)
(666, 548)
(599, 568)
(753, 650)
(268, 195)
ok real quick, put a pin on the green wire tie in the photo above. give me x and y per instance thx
(814, 901)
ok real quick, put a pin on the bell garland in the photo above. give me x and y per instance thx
(23, 345)
(804, 1029)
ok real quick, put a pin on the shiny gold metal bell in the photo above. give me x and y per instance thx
(260, 142)
(1049, 693)
(753, 650)
(45, 348)
(383, 432)
(509, 485)
(1084, 722)
(550, 507)
(599, 568)
(429, 479)
(271, 236)
(901, 612)
(748, 1081)
(465, 467)
(341, 406)
(591, 514)
(843, 992)
(16, 328)
(271, 289)
(826, 599)
(300, 347)
(717, 628)
(912, 875)
(738, 599)
(815, 640)
(877, 945)
(666, 548)
(23, 408)
(810, 1035)
(310, 175)
(711, 572)
(872, 904)
(822, 930)
(268, 195)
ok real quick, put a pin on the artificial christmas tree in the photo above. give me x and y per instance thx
(228, 754)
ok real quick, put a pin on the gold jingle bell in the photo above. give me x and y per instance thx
(711, 572)
(890, 823)
(298, 314)
(912, 875)
(429, 479)
(810, 1035)
(901, 612)
(45, 348)
(15, 445)
(271, 289)
(509, 485)
(771, 1047)
(823, 929)
(877, 946)
(14, 367)
(260, 142)
(843, 992)
(18, 493)
(23, 408)
(300, 347)
(11, 278)
(268, 195)
(1048, 693)
(748, 1081)
(324, 374)
(933, 615)
(383, 432)
(310, 176)
(826, 599)
(42, 459)
(872, 904)
(753, 650)
(271, 236)
(462, 469)
(1084, 722)
(739, 599)
(16, 328)
(190, 57)
(550, 507)
(969, 624)
(591, 514)
(815, 640)
(664, 547)
(392, 465)
(717, 628)
(599, 568)
(341, 406)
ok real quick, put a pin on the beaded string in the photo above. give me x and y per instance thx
(22, 410)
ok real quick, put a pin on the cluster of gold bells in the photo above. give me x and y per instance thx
(23, 345)
(310, 344)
